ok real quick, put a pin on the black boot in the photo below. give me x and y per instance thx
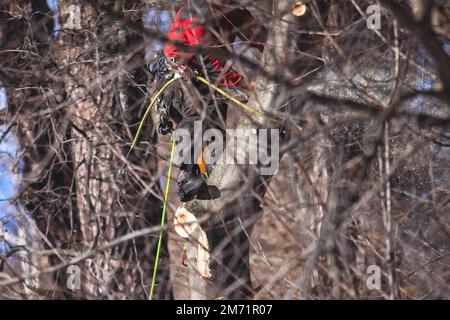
(192, 186)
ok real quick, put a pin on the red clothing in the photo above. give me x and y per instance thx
(191, 32)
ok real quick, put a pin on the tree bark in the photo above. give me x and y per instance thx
(227, 236)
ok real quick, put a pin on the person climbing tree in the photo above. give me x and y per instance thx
(179, 108)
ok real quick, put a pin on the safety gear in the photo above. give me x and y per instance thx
(156, 63)
(173, 106)
(186, 29)
(189, 30)
(165, 126)
(192, 186)
(202, 164)
(177, 108)
(159, 67)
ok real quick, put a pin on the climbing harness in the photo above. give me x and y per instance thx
(203, 80)
(180, 72)
(202, 164)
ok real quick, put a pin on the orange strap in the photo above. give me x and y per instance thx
(201, 164)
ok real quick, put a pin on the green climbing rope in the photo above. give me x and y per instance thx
(163, 218)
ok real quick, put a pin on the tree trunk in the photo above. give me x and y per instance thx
(72, 134)
(226, 228)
